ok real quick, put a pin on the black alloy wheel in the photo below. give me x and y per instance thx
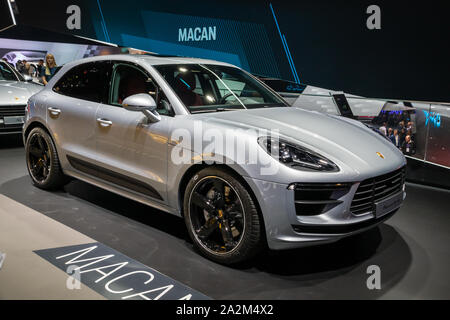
(38, 158)
(42, 160)
(216, 213)
(221, 217)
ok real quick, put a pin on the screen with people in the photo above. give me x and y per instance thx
(399, 128)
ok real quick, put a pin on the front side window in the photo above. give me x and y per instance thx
(129, 80)
(205, 88)
(89, 81)
(6, 73)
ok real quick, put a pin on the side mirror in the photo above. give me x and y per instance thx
(142, 102)
(27, 78)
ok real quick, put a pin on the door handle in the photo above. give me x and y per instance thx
(54, 112)
(104, 122)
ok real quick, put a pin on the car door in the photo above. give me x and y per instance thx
(71, 108)
(133, 152)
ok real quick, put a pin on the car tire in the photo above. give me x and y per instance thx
(249, 224)
(50, 175)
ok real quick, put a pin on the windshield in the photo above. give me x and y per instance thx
(6, 73)
(208, 88)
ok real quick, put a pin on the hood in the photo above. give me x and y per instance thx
(17, 92)
(346, 142)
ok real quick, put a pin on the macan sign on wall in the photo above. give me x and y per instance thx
(197, 34)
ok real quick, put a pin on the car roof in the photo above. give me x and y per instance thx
(151, 59)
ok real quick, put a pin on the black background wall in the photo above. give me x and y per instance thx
(329, 42)
(407, 58)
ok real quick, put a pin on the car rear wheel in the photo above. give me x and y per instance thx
(42, 160)
(221, 216)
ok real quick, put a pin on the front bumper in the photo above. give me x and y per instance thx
(288, 227)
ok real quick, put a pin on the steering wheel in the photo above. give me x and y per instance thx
(224, 98)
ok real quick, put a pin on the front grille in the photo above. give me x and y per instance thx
(316, 198)
(376, 189)
(11, 111)
(7, 111)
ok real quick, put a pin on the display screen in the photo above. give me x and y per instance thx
(342, 104)
(420, 131)
(438, 143)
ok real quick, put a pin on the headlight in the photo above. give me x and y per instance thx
(295, 156)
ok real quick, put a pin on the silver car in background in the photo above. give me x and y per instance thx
(15, 90)
(150, 128)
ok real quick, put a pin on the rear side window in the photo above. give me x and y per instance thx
(89, 81)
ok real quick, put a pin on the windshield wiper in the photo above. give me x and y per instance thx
(216, 110)
(228, 109)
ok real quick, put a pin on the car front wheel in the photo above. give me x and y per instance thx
(221, 217)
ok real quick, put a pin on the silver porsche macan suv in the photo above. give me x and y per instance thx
(209, 142)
